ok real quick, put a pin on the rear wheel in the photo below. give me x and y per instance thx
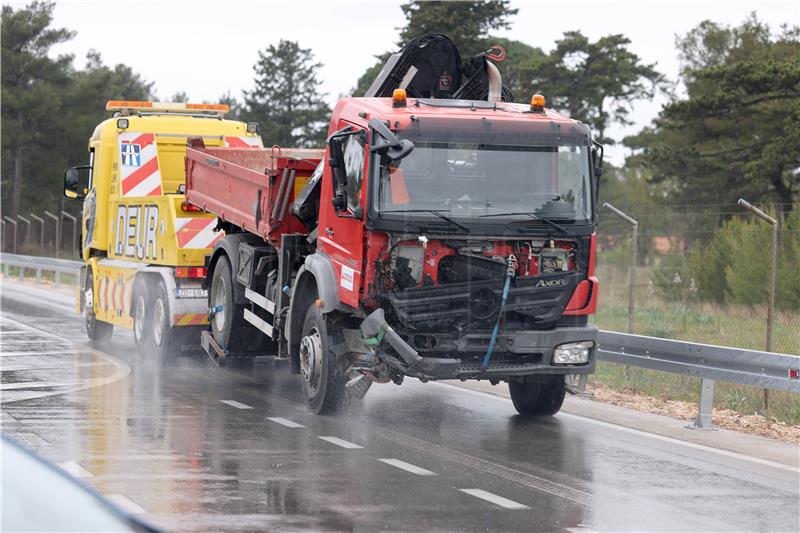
(322, 378)
(538, 399)
(142, 318)
(97, 330)
(162, 340)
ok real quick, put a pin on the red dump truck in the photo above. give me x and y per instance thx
(436, 236)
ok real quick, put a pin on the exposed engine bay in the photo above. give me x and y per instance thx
(456, 285)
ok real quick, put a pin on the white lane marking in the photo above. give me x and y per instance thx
(580, 529)
(121, 370)
(494, 498)
(125, 503)
(74, 469)
(285, 422)
(50, 352)
(31, 385)
(408, 467)
(339, 442)
(6, 418)
(31, 439)
(234, 403)
(671, 440)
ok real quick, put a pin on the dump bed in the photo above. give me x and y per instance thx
(251, 188)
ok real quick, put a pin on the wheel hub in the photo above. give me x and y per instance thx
(218, 302)
(88, 304)
(311, 358)
(138, 321)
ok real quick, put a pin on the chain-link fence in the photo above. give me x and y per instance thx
(701, 273)
(46, 233)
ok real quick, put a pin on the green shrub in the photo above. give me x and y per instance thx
(671, 278)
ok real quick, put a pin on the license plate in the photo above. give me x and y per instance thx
(190, 292)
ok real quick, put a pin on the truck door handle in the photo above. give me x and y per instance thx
(329, 231)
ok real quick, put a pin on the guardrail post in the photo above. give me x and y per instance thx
(703, 420)
(22, 273)
(57, 278)
(38, 276)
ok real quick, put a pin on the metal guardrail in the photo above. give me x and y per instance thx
(705, 361)
(710, 363)
(39, 264)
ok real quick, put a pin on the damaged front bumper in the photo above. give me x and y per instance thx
(517, 354)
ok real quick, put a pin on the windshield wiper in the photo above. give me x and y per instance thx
(433, 212)
(531, 215)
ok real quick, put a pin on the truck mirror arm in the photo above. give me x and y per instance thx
(393, 147)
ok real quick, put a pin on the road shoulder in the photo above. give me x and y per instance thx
(754, 446)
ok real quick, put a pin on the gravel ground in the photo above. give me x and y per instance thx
(723, 418)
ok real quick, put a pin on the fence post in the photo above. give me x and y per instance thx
(634, 253)
(703, 420)
(14, 245)
(773, 277)
(74, 230)
(58, 232)
(27, 228)
(41, 232)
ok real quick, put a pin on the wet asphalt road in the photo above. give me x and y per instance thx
(195, 447)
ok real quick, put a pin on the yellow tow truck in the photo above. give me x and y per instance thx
(143, 245)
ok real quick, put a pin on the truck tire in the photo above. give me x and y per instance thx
(162, 341)
(322, 379)
(538, 399)
(97, 330)
(228, 325)
(142, 318)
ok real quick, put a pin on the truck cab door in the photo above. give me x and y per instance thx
(341, 226)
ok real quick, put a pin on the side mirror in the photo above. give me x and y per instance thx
(393, 148)
(76, 181)
(597, 159)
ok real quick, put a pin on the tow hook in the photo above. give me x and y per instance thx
(214, 310)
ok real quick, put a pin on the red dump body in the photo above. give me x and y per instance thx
(250, 188)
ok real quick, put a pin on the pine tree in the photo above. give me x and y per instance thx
(286, 99)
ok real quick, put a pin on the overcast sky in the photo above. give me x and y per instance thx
(209, 48)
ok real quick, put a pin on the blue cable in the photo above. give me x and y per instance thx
(497, 324)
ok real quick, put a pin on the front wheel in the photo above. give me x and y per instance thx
(97, 330)
(322, 378)
(538, 399)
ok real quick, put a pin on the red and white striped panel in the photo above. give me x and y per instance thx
(138, 164)
(197, 232)
(243, 142)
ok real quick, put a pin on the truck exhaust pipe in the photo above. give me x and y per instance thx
(495, 82)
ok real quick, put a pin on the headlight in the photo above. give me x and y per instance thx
(573, 353)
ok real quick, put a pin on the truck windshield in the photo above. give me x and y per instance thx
(489, 181)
